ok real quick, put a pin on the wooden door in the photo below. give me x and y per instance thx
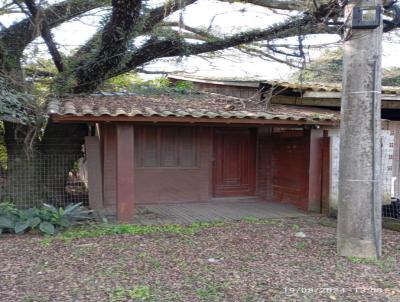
(234, 162)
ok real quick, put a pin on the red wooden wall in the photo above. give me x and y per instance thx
(284, 173)
(178, 180)
(184, 175)
(181, 174)
(290, 168)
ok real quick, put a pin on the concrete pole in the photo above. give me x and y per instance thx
(359, 206)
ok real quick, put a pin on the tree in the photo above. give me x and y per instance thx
(111, 51)
(328, 68)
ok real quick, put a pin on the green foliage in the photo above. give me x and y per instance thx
(137, 293)
(209, 292)
(16, 106)
(133, 229)
(123, 82)
(133, 83)
(184, 86)
(391, 76)
(328, 68)
(385, 264)
(47, 219)
(301, 245)
(251, 219)
(3, 150)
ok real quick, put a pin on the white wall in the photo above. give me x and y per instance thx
(387, 162)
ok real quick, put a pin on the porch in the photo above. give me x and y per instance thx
(226, 210)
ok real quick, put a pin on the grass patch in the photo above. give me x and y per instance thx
(385, 264)
(250, 219)
(391, 224)
(328, 223)
(137, 293)
(256, 220)
(209, 292)
(301, 245)
(90, 231)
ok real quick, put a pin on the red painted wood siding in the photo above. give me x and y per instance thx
(264, 164)
(234, 162)
(167, 146)
(283, 168)
(125, 178)
(109, 138)
(180, 167)
(290, 168)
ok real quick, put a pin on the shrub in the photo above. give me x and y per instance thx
(47, 219)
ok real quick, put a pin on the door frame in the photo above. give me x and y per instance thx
(254, 135)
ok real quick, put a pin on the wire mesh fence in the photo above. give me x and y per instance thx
(57, 178)
(392, 210)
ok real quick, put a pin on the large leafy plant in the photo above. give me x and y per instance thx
(47, 219)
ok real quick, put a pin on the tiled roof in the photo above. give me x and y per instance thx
(323, 87)
(198, 105)
(296, 86)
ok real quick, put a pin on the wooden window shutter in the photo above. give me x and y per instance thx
(169, 146)
(188, 147)
(147, 147)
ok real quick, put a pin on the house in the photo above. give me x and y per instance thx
(200, 147)
(321, 96)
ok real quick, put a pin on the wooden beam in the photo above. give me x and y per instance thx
(125, 173)
(186, 120)
(95, 175)
(338, 95)
(315, 169)
(388, 102)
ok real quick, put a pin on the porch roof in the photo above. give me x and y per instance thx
(305, 88)
(194, 107)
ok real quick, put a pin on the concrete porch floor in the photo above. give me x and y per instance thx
(212, 211)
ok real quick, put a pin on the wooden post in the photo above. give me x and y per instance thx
(359, 206)
(315, 169)
(125, 173)
(94, 170)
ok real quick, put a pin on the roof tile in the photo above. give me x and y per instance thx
(197, 105)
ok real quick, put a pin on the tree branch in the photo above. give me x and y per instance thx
(299, 5)
(156, 48)
(55, 15)
(156, 15)
(41, 23)
(114, 43)
(145, 24)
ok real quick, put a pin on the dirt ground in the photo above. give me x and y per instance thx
(248, 260)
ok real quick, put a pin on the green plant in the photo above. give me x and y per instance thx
(133, 229)
(301, 245)
(386, 264)
(295, 227)
(47, 219)
(184, 86)
(209, 292)
(68, 216)
(137, 293)
(140, 293)
(250, 219)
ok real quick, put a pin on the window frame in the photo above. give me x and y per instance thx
(139, 149)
